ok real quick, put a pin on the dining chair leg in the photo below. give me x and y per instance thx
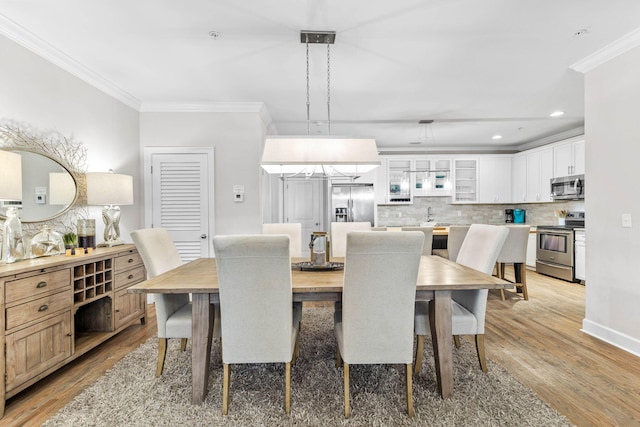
(226, 376)
(409, 390)
(523, 281)
(501, 267)
(162, 352)
(480, 349)
(296, 348)
(183, 344)
(456, 340)
(419, 352)
(347, 405)
(287, 388)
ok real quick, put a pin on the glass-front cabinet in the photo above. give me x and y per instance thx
(432, 177)
(400, 181)
(465, 180)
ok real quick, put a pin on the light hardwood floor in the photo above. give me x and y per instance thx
(538, 341)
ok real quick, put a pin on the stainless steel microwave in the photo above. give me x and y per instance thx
(567, 187)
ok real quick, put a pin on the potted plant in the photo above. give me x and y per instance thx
(70, 241)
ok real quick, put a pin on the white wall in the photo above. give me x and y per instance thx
(612, 152)
(40, 94)
(237, 141)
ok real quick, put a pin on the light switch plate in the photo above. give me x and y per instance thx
(626, 220)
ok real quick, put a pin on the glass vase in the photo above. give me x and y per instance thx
(12, 241)
(47, 243)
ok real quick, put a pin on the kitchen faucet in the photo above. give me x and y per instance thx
(429, 217)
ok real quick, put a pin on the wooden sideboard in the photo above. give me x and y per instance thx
(57, 308)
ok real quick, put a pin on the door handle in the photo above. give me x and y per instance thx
(203, 236)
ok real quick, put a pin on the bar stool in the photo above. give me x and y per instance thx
(514, 252)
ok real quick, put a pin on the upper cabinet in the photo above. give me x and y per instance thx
(539, 174)
(400, 180)
(465, 180)
(494, 179)
(568, 158)
(432, 177)
(519, 178)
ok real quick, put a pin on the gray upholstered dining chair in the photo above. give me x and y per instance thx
(339, 232)
(428, 237)
(514, 252)
(457, 234)
(291, 229)
(173, 311)
(479, 251)
(259, 321)
(375, 322)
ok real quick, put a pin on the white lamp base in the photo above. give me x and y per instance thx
(111, 218)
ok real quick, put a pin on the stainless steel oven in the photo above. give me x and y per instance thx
(555, 248)
(554, 254)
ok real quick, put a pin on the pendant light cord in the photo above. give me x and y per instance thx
(308, 102)
(328, 88)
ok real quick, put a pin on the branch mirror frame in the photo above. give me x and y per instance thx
(66, 152)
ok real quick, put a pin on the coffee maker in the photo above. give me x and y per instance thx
(508, 215)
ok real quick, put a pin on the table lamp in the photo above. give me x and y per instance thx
(110, 190)
(11, 190)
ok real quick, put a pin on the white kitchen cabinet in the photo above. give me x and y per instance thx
(580, 255)
(400, 180)
(494, 179)
(519, 178)
(381, 184)
(531, 250)
(432, 177)
(465, 180)
(539, 174)
(568, 158)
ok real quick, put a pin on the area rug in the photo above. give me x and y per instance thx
(131, 395)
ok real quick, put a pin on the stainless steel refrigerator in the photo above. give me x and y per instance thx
(352, 203)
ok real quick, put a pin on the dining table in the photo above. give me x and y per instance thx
(437, 277)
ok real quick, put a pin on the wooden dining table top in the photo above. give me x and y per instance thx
(436, 273)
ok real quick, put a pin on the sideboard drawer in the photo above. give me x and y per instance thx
(36, 309)
(35, 285)
(127, 278)
(128, 261)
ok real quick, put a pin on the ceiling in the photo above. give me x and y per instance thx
(476, 68)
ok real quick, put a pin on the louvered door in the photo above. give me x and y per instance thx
(181, 202)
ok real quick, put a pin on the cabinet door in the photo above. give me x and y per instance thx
(546, 173)
(466, 180)
(563, 160)
(494, 179)
(35, 349)
(533, 177)
(382, 183)
(519, 178)
(128, 307)
(578, 157)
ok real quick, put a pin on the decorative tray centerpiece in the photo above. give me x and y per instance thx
(309, 266)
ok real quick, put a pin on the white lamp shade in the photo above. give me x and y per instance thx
(291, 155)
(105, 188)
(10, 176)
(62, 188)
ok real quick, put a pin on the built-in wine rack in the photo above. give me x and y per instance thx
(92, 281)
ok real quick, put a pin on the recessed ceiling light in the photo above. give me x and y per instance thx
(580, 32)
(557, 114)
(215, 34)
(496, 137)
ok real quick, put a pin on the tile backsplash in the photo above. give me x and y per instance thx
(442, 211)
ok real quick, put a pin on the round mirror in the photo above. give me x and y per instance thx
(48, 188)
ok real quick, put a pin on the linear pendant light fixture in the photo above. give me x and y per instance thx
(326, 156)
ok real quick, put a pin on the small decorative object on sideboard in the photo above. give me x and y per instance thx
(47, 243)
(70, 242)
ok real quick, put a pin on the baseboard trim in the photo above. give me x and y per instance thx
(611, 336)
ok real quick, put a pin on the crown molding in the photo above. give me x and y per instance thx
(571, 133)
(40, 47)
(610, 51)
